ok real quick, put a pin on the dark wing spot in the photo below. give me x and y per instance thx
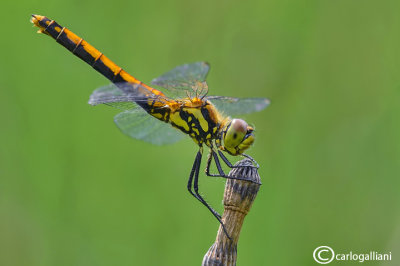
(234, 135)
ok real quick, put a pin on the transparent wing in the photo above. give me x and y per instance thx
(188, 78)
(183, 76)
(236, 106)
(122, 96)
(138, 124)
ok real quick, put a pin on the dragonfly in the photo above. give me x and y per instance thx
(163, 116)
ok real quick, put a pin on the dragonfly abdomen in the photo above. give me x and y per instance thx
(82, 49)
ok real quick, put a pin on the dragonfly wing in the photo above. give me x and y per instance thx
(135, 121)
(236, 106)
(138, 124)
(188, 77)
(122, 96)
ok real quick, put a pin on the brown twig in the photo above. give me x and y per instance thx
(238, 198)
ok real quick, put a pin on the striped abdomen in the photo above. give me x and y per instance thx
(87, 52)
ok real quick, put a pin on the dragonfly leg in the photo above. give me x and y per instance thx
(220, 170)
(195, 173)
(230, 165)
(190, 181)
(209, 160)
(196, 189)
(251, 159)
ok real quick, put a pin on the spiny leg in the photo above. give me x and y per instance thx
(220, 170)
(209, 160)
(251, 159)
(196, 189)
(226, 161)
(190, 181)
(217, 163)
(230, 165)
(195, 172)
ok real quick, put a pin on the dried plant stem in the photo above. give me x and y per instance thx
(238, 198)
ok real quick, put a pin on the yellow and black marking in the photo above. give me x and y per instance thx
(87, 52)
(201, 122)
(195, 117)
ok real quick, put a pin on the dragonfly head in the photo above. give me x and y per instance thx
(237, 137)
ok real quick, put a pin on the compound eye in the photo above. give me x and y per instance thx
(235, 133)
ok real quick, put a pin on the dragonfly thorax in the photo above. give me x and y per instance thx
(237, 136)
(197, 118)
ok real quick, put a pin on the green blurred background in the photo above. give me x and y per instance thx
(76, 191)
